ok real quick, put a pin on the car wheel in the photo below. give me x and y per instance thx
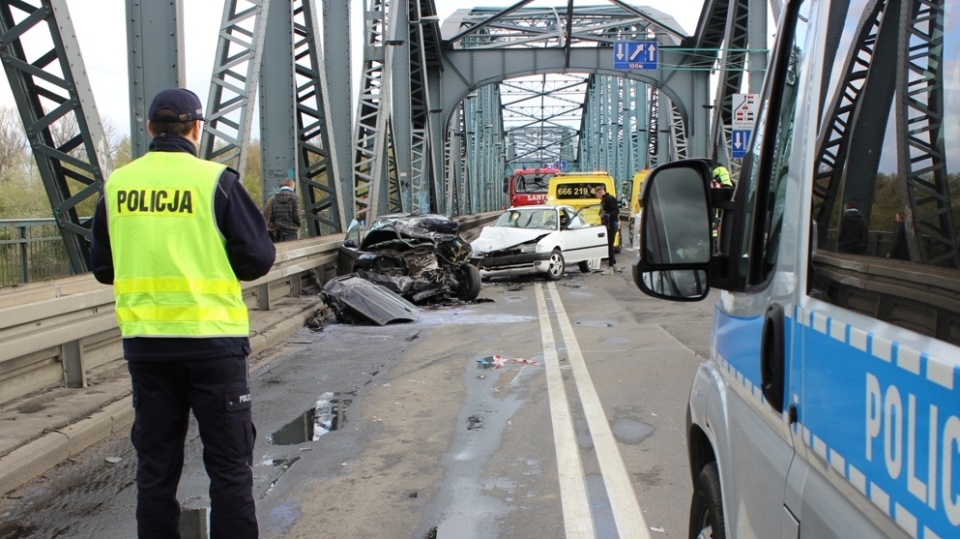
(557, 265)
(706, 508)
(470, 282)
(584, 266)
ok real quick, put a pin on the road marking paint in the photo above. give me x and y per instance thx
(577, 520)
(616, 478)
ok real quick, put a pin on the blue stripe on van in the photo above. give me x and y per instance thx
(867, 407)
(908, 390)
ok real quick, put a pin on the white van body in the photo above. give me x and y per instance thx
(854, 432)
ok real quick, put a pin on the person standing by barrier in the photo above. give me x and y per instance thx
(609, 217)
(899, 249)
(282, 213)
(175, 235)
(852, 235)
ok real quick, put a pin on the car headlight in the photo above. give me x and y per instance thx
(529, 248)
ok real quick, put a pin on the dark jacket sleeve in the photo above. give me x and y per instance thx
(101, 256)
(248, 244)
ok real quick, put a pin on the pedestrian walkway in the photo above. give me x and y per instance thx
(44, 428)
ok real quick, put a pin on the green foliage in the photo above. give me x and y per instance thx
(251, 177)
(886, 203)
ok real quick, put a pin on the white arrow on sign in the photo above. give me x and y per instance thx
(620, 51)
(636, 53)
(652, 52)
(736, 143)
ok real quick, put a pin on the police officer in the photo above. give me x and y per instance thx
(721, 177)
(721, 180)
(175, 235)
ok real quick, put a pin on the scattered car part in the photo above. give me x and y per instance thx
(356, 300)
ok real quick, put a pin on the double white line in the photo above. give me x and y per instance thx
(577, 519)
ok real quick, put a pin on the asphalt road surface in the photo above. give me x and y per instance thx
(547, 410)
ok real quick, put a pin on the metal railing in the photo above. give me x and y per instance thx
(31, 250)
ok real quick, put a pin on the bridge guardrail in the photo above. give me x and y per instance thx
(55, 332)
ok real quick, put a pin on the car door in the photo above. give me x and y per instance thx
(878, 413)
(582, 240)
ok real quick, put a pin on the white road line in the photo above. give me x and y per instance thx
(577, 520)
(616, 479)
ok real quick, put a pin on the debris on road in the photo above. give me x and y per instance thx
(496, 361)
(355, 300)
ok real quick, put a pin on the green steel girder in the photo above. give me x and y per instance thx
(59, 115)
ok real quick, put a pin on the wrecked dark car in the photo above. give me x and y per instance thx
(420, 257)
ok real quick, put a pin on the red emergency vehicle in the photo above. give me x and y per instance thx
(528, 185)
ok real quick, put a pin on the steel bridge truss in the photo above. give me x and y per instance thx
(540, 116)
(588, 121)
(615, 127)
(400, 144)
(42, 60)
(293, 103)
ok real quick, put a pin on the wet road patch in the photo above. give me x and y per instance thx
(329, 414)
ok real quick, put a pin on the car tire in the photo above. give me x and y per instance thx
(706, 507)
(584, 266)
(557, 265)
(470, 282)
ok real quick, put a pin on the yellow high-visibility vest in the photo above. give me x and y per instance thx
(722, 175)
(172, 277)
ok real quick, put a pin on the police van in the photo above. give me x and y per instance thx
(830, 404)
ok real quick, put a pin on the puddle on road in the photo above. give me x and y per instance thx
(630, 431)
(328, 415)
(31, 408)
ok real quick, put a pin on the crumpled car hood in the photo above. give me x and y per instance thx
(494, 239)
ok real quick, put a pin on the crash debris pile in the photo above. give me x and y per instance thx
(421, 258)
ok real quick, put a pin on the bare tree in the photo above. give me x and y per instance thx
(14, 155)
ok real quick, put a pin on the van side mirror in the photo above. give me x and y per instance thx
(675, 239)
(506, 184)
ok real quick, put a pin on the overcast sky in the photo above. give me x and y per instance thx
(102, 36)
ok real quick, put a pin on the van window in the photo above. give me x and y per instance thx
(888, 144)
(761, 234)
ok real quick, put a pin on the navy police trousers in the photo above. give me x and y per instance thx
(217, 392)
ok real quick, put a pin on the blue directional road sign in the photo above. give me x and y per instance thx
(739, 140)
(636, 55)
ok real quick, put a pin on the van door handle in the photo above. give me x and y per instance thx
(773, 357)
